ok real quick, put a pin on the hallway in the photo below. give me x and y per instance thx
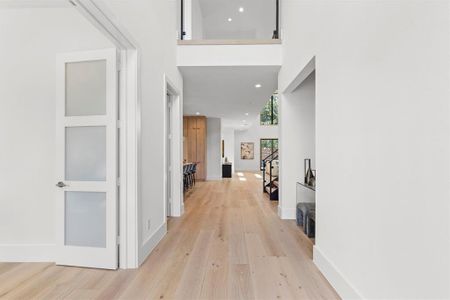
(230, 244)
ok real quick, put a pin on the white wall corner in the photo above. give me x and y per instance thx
(334, 276)
(27, 253)
(150, 244)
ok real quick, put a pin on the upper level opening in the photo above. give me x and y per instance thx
(229, 22)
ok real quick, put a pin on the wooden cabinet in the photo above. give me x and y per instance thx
(194, 146)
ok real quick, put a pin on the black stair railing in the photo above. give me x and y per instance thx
(269, 158)
(268, 161)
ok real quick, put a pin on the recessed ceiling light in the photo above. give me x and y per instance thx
(230, 19)
(246, 114)
(197, 113)
(241, 9)
(258, 85)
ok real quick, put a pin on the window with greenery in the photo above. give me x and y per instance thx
(267, 147)
(269, 114)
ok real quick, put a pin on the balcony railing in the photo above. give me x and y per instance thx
(225, 21)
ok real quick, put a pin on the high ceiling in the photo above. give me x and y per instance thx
(228, 92)
(257, 21)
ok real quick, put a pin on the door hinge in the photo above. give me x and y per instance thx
(118, 240)
(118, 181)
(118, 124)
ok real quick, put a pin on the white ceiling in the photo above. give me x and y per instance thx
(228, 92)
(256, 22)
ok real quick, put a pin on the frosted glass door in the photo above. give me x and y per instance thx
(87, 159)
(86, 153)
(85, 223)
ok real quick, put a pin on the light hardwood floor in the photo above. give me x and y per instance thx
(230, 244)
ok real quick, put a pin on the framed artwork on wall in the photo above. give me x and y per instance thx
(247, 150)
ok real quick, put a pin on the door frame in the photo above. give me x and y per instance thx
(177, 204)
(129, 126)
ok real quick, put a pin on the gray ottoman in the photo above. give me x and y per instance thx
(303, 208)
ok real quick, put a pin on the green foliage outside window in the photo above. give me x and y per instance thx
(268, 146)
(269, 113)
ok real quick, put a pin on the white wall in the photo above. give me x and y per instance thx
(213, 149)
(147, 22)
(197, 20)
(193, 19)
(382, 141)
(229, 55)
(297, 138)
(228, 138)
(253, 134)
(30, 40)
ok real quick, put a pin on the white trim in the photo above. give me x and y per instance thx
(101, 17)
(34, 3)
(213, 178)
(339, 282)
(177, 147)
(130, 113)
(152, 242)
(27, 253)
(104, 20)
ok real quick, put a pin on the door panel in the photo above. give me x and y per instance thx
(192, 139)
(185, 140)
(85, 223)
(201, 148)
(86, 88)
(87, 159)
(85, 153)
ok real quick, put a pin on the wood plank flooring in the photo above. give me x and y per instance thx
(230, 244)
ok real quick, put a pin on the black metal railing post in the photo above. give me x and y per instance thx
(276, 32)
(182, 33)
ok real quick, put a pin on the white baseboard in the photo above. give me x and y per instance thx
(152, 242)
(335, 277)
(27, 253)
(286, 213)
(213, 177)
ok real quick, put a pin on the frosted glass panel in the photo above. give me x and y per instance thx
(86, 88)
(85, 219)
(86, 153)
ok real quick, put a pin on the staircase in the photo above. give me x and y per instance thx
(269, 168)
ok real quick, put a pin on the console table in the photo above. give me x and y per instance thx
(226, 170)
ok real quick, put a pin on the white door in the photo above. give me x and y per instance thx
(87, 155)
(168, 155)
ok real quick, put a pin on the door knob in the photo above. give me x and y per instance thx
(61, 184)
